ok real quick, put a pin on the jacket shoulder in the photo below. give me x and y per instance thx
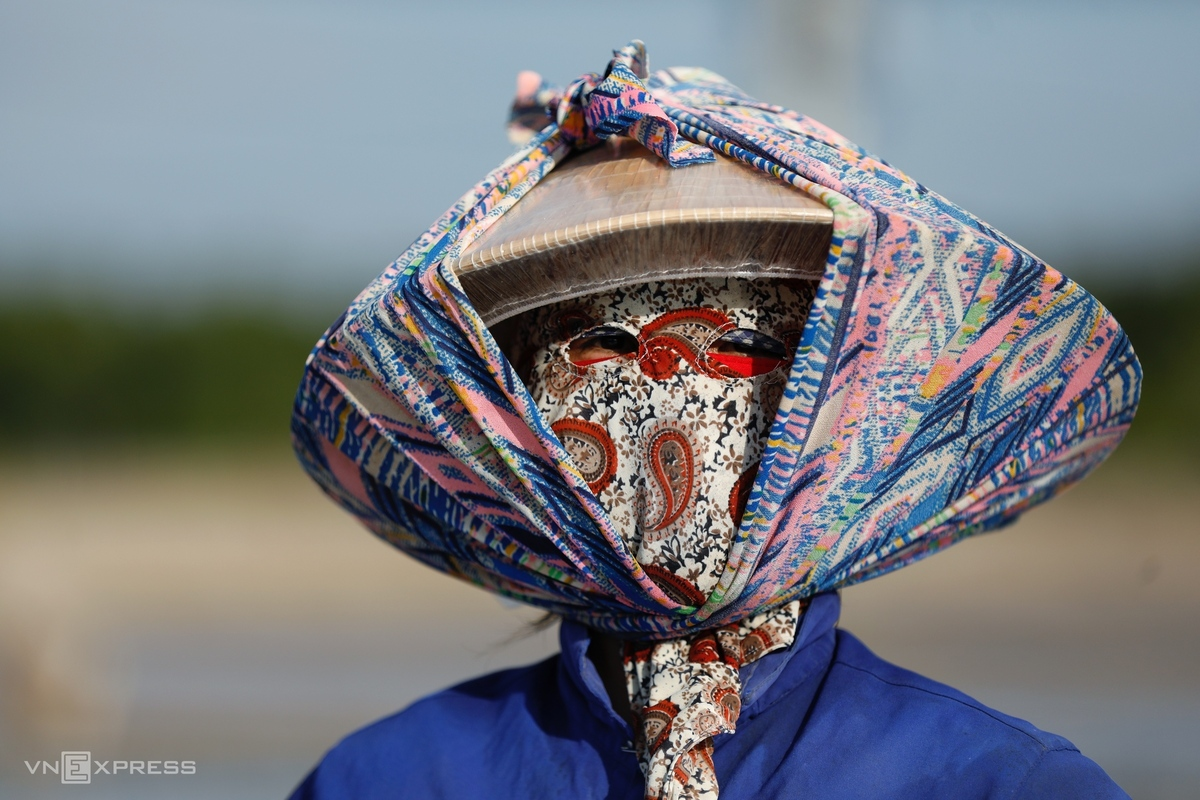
(428, 744)
(940, 736)
(909, 689)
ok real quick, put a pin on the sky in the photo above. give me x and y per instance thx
(173, 148)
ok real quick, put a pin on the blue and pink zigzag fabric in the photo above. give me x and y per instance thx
(947, 381)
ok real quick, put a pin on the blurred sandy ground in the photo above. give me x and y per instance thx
(218, 608)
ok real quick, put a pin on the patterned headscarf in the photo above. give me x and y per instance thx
(946, 381)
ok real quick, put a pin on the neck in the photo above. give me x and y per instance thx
(608, 656)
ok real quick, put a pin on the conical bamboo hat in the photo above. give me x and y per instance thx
(617, 215)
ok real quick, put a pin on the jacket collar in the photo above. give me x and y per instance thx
(799, 662)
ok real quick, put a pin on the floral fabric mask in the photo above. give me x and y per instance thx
(663, 394)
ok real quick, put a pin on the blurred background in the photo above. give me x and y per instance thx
(191, 191)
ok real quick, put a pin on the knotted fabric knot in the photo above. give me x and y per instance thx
(686, 691)
(595, 107)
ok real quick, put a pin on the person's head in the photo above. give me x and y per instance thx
(653, 312)
(664, 394)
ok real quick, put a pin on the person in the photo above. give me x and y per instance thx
(676, 372)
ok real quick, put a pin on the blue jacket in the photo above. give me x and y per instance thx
(825, 719)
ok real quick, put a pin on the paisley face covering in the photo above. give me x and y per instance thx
(663, 394)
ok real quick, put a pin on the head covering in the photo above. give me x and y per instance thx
(617, 214)
(946, 381)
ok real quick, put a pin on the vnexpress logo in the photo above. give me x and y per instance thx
(77, 766)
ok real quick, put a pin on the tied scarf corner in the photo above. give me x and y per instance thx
(595, 107)
(686, 691)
